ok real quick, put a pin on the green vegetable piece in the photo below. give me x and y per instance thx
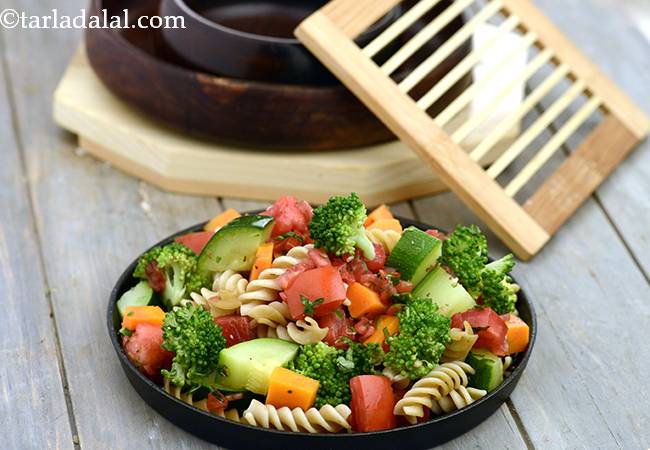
(190, 332)
(338, 227)
(445, 291)
(139, 295)
(233, 247)
(423, 335)
(178, 265)
(488, 367)
(415, 254)
(334, 368)
(248, 363)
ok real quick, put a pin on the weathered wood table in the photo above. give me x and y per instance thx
(69, 224)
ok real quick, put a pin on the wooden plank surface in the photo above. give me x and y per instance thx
(584, 386)
(33, 411)
(604, 32)
(92, 221)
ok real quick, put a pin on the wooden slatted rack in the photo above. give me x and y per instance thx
(579, 95)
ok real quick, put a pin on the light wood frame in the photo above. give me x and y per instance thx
(330, 33)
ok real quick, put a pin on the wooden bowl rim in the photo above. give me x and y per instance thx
(291, 89)
(294, 42)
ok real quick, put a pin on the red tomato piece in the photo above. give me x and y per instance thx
(155, 277)
(235, 328)
(379, 261)
(290, 215)
(217, 403)
(144, 349)
(339, 327)
(323, 283)
(490, 328)
(437, 234)
(195, 241)
(372, 403)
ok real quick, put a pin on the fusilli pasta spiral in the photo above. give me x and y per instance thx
(439, 383)
(175, 391)
(330, 419)
(265, 289)
(302, 332)
(457, 399)
(387, 238)
(272, 315)
(461, 343)
(223, 299)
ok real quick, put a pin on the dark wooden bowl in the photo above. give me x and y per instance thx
(251, 39)
(135, 66)
(239, 436)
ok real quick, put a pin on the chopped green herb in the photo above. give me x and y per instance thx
(130, 313)
(290, 234)
(339, 314)
(309, 305)
(125, 332)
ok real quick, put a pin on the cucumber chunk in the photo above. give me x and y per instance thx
(415, 254)
(444, 290)
(248, 365)
(139, 295)
(488, 367)
(233, 247)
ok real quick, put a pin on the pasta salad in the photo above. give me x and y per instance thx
(323, 320)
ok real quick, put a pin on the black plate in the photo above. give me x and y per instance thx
(238, 436)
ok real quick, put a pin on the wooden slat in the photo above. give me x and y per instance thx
(563, 193)
(424, 36)
(466, 64)
(467, 96)
(617, 102)
(453, 43)
(552, 146)
(399, 26)
(466, 129)
(416, 129)
(355, 17)
(33, 413)
(535, 129)
(526, 106)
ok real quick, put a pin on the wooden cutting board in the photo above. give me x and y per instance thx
(110, 130)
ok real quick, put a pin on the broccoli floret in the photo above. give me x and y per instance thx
(465, 252)
(498, 290)
(338, 227)
(423, 335)
(178, 266)
(334, 368)
(190, 332)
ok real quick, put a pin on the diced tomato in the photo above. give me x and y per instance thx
(437, 234)
(372, 403)
(195, 241)
(235, 328)
(155, 277)
(364, 328)
(339, 327)
(290, 215)
(404, 287)
(217, 402)
(323, 283)
(379, 261)
(319, 258)
(144, 349)
(490, 328)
